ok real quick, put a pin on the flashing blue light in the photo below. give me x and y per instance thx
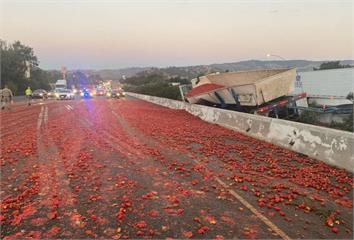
(86, 93)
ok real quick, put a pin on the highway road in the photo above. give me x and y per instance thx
(124, 168)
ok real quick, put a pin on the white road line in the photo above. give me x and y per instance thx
(45, 115)
(40, 116)
(244, 202)
(258, 214)
(69, 107)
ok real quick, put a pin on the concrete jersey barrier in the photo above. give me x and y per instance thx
(331, 146)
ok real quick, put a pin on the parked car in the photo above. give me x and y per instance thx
(40, 93)
(61, 94)
(100, 92)
(51, 94)
(115, 94)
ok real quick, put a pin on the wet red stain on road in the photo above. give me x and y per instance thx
(131, 169)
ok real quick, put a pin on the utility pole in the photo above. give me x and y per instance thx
(64, 71)
(28, 70)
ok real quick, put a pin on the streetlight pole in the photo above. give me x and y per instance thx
(273, 55)
(298, 82)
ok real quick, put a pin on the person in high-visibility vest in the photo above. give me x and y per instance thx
(28, 93)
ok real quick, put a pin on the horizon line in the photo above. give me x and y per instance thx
(186, 66)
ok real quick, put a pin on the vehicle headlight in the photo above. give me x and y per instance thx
(108, 94)
(123, 93)
(41, 94)
(82, 94)
(57, 94)
(74, 91)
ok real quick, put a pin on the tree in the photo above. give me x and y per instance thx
(54, 75)
(39, 79)
(15, 60)
(331, 65)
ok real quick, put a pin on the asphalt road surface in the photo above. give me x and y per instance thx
(124, 168)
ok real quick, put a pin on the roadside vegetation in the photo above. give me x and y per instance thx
(17, 60)
(155, 85)
(332, 65)
(313, 118)
(347, 124)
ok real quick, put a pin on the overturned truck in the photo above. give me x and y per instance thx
(264, 92)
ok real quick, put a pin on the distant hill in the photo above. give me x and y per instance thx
(119, 73)
(114, 74)
(193, 71)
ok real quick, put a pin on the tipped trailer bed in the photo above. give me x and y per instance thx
(244, 88)
(262, 92)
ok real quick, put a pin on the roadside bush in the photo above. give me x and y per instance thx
(159, 90)
(347, 124)
(154, 85)
(313, 118)
(309, 117)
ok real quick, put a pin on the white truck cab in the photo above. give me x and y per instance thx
(61, 84)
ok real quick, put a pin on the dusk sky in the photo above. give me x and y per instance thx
(116, 34)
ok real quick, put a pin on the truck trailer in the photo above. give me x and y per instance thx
(265, 92)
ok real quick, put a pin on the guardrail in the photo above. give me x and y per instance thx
(326, 96)
(331, 146)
